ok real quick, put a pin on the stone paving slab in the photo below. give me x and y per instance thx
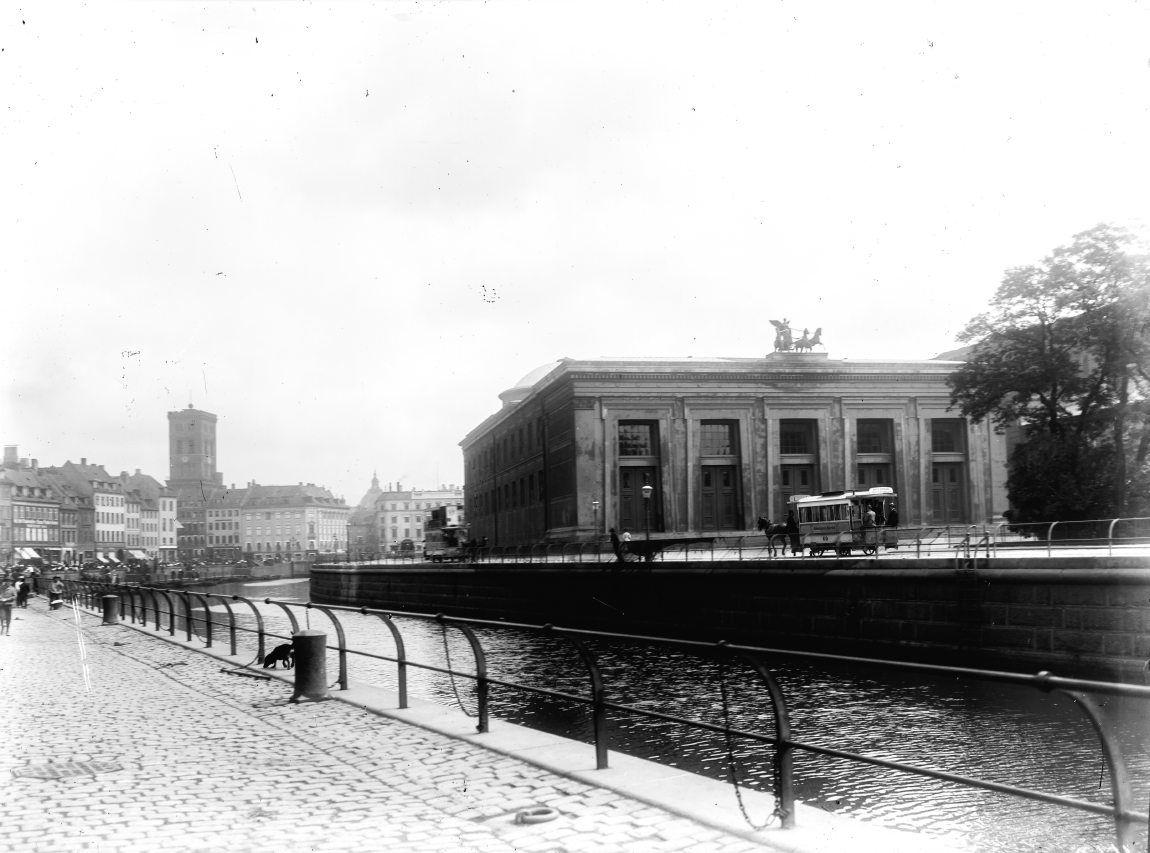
(208, 761)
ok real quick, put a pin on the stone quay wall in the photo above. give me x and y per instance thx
(1088, 617)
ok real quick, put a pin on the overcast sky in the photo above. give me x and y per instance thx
(346, 228)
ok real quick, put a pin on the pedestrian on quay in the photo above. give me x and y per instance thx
(794, 534)
(616, 545)
(7, 597)
(21, 592)
(56, 598)
(892, 516)
(625, 544)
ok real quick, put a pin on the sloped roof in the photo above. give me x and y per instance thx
(287, 495)
(146, 485)
(24, 477)
(80, 477)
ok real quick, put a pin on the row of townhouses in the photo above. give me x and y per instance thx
(222, 523)
(79, 513)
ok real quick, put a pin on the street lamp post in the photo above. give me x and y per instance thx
(595, 510)
(647, 490)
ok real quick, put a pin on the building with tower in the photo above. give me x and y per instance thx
(192, 448)
(363, 524)
(220, 523)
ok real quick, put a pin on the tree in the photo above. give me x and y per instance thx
(1064, 353)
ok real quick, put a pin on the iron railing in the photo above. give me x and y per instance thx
(1089, 696)
(1101, 537)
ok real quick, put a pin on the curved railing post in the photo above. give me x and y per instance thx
(291, 616)
(128, 596)
(1050, 538)
(481, 686)
(784, 758)
(207, 617)
(1124, 823)
(231, 620)
(341, 638)
(151, 593)
(186, 600)
(400, 655)
(148, 594)
(598, 706)
(143, 605)
(259, 626)
(171, 613)
(1110, 537)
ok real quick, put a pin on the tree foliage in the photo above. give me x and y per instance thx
(1063, 352)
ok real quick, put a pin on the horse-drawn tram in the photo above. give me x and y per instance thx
(847, 520)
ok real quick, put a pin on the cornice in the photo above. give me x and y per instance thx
(761, 378)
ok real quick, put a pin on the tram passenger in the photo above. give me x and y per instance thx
(869, 520)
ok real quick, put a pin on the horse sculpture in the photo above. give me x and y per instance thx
(771, 531)
(807, 343)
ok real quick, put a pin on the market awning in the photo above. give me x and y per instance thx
(112, 558)
(100, 557)
(26, 554)
(139, 555)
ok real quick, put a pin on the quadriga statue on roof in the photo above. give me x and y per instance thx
(784, 341)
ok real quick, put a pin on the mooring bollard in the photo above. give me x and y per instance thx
(310, 648)
(111, 609)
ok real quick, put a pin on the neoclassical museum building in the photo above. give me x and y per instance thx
(722, 442)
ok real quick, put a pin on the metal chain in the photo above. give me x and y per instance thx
(451, 675)
(734, 767)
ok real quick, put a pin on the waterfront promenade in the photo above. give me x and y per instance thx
(155, 748)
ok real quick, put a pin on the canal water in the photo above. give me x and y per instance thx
(997, 732)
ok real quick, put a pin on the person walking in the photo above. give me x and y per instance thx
(794, 534)
(616, 545)
(21, 592)
(7, 597)
(56, 594)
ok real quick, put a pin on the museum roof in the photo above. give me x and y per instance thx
(775, 367)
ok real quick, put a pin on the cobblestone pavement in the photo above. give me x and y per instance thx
(175, 755)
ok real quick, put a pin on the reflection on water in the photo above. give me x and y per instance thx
(997, 732)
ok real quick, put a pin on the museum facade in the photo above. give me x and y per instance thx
(720, 443)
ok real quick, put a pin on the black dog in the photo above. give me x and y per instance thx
(280, 654)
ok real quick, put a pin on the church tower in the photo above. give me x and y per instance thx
(192, 448)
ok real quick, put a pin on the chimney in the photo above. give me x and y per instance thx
(137, 472)
(35, 464)
(10, 454)
(83, 460)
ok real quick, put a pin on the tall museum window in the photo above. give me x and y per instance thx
(639, 463)
(720, 505)
(798, 460)
(875, 453)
